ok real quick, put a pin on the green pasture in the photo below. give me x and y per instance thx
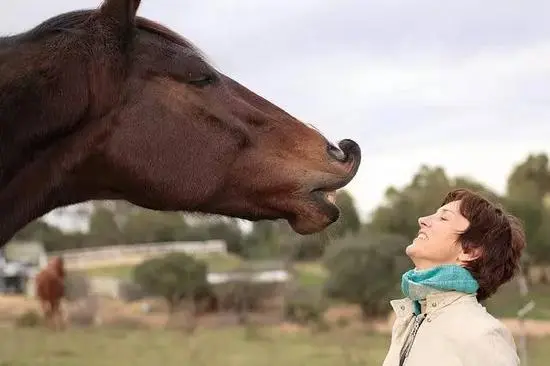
(228, 347)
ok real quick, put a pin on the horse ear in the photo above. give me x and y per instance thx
(122, 10)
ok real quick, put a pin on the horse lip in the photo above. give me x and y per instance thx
(353, 158)
(355, 161)
(327, 188)
(330, 209)
(352, 151)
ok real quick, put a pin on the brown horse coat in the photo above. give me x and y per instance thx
(50, 289)
(103, 104)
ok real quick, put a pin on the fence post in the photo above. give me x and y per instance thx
(524, 291)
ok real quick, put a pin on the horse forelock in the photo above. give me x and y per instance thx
(170, 35)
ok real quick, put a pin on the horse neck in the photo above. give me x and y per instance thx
(32, 193)
(44, 141)
(48, 181)
(53, 178)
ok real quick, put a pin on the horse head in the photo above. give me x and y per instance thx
(57, 266)
(103, 104)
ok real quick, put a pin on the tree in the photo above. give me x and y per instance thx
(145, 225)
(313, 246)
(224, 228)
(366, 269)
(528, 194)
(263, 241)
(530, 180)
(175, 277)
(103, 227)
(349, 221)
(51, 236)
(422, 196)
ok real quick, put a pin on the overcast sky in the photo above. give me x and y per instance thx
(463, 84)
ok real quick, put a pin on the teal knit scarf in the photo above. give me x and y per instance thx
(417, 284)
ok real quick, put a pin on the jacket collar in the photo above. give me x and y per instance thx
(405, 308)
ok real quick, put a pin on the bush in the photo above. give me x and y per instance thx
(310, 247)
(342, 321)
(175, 277)
(305, 305)
(366, 270)
(243, 295)
(29, 319)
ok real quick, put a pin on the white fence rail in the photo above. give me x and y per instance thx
(129, 254)
(271, 276)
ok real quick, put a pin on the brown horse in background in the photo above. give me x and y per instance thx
(103, 104)
(50, 290)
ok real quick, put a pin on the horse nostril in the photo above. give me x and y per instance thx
(336, 153)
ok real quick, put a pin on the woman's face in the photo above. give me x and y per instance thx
(436, 242)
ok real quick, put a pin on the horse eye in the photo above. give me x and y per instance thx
(202, 80)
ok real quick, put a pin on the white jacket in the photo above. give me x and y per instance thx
(456, 331)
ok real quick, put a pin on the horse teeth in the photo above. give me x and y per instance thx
(331, 196)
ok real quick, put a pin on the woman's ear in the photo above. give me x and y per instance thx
(469, 255)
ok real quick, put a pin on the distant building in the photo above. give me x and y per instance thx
(20, 261)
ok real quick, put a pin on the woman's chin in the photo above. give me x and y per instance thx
(414, 252)
(411, 249)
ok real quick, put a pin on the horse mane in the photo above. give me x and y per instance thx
(70, 21)
(166, 33)
(62, 22)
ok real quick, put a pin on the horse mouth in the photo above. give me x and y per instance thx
(320, 211)
(325, 197)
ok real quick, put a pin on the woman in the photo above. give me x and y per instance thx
(463, 253)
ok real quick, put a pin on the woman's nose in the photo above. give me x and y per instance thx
(423, 221)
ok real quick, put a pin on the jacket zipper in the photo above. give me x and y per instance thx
(410, 338)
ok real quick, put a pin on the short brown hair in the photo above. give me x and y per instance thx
(497, 234)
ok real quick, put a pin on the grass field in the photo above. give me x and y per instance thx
(230, 346)
(26, 347)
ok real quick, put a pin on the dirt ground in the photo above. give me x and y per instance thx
(103, 311)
